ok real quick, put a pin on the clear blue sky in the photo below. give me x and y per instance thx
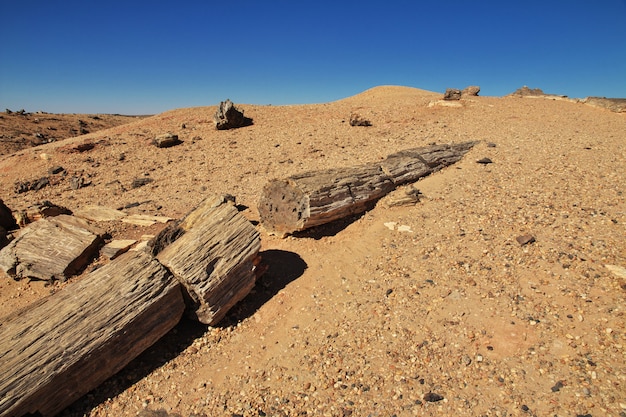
(145, 57)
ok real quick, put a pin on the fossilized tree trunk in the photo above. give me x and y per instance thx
(314, 198)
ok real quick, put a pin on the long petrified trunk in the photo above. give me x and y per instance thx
(55, 351)
(318, 197)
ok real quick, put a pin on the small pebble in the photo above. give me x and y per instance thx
(557, 387)
(525, 239)
(432, 397)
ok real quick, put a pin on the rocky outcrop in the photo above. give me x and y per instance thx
(617, 105)
(471, 90)
(452, 94)
(228, 116)
(526, 91)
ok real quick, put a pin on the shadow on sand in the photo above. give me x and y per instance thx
(283, 267)
(329, 229)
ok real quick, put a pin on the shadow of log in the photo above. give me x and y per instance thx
(332, 228)
(283, 268)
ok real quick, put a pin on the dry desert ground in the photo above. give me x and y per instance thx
(432, 308)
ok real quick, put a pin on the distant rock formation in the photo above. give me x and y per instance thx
(525, 91)
(452, 94)
(471, 90)
(228, 116)
(617, 105)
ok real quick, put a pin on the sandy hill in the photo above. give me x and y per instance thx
(372, 319)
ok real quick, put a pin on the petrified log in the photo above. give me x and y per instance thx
(214, 253)
(314, 198)
(51, 248)
(63, 346)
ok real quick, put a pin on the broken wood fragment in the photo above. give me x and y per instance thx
(51, 248)
(214, 253)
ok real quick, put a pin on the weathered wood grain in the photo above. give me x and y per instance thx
(51, 248)
(214, 254)
(410, 165)
(60, 348)
(314, 198)
(319, 197)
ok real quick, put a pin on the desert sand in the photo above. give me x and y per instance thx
(429, 309)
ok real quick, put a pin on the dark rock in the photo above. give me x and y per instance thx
(525, 408)
(471, 90)
(452, 94)
(525, 239)
(56, 170)
(357, 120)
(7, 221)
(228, 116)
(41, 183)
(557, 387)
(432, 397)
(485, 161)
(140, 182)
(166, 141)
(4, 240)
(491, 145)
(84, 147)
(24, 186)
